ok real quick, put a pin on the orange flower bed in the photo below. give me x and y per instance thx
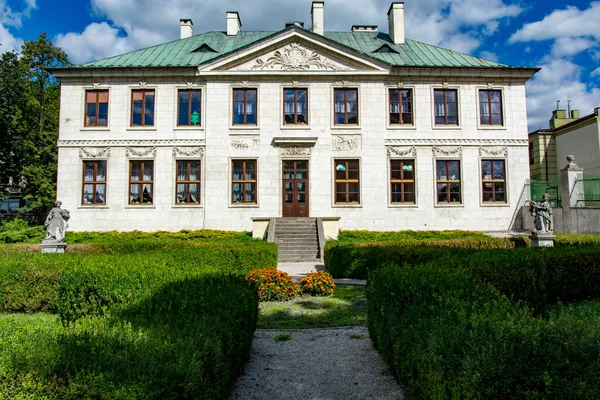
(272, 285)
(317, 284)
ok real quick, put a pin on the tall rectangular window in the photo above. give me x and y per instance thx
(141, 182)
(188, 182)
(94, 183)
(493, 181)
(448, 181)
(346, 106)
(347, 181)
(243, 182)
(142, 108)
(531, 154)
(295, 106)
(96, 108)
(490, 107)
(244, 106)
(402, 181)
(189, 108)
(446, 106)
(401, 106)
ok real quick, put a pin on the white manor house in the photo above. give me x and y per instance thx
(223, 129)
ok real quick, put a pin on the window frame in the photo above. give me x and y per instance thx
(243, 182)
(395, 125)
(458, 113)
(189, 126)
(85, 104)
(334, 124)
(188, 182)
(347, 182)
(448, 181)
(391, 182)
(94, 183)
(482, 181)
(481, 125)
(143, 125)
(532, 153)
(295, 124)
(232, 120)
(141, 182)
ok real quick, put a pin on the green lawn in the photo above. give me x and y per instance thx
(346, 307)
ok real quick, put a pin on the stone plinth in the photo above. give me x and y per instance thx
(53, 246)
(542, 239)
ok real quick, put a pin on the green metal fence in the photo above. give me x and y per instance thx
(588, 190)
(539, 187)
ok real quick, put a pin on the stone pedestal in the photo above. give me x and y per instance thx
(542, 239)
(53, 246)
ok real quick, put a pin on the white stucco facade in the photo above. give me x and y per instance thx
(373, 142)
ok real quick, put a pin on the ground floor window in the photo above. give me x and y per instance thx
(347, 181)
(243, 182)
(402, 181)
(448, 181)
(94, 183)
(493, 181)
(141, 182)
(188, 182)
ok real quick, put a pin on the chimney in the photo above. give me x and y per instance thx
(187, 27)
(396, 22)
(317, 16)
(575, 114)
(234, 24)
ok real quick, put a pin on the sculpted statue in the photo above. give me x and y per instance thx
(541, 213)
(56, 223)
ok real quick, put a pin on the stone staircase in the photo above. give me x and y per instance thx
(297, 239)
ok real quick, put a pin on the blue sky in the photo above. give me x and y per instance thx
(563, 38)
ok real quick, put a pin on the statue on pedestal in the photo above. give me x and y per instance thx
(56, 223)
(542, 214)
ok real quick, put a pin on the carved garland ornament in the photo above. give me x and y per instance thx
(130, 152)
(94, 153)
(196, 152)
(345, 143)
(295, 151)
(493, 151)
(447, 151)
(295, 58)
(401, 151)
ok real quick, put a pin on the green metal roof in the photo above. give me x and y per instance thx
(200, 49)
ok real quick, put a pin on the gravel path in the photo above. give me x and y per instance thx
(323, 364)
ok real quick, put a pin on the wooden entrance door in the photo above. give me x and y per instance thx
(295, 188)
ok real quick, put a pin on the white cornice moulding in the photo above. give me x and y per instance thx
(133, 143)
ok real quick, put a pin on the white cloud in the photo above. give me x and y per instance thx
(8, 42)
(558, 80)
(595, 72)
(488, 55)
(567, 46)
(14, 19)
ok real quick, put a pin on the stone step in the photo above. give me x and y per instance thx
(298, 236)
(304, 249)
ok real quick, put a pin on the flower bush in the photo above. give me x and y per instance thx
(273, 285)
(317, 284)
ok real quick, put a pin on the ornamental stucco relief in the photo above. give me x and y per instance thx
(393, 151)
(447, 151)
(103, 152)
(294, 57)
(132, 152)
(244, 144)
(295, 151)
(346, 142)
(195, 152)
(493, 151)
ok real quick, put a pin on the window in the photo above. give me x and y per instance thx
(142, 108)
(94, 183)
(448, 181)
(531, 154)
(189, 108)
(243, 182)
(244, 106)
(402, 181)
(346, 106)
(96, 108)
(141, 182)
(446, 110)
(347, 182)
(188, 182)
(493, 181)
(295, 106)
(490, 107)
(401, 109)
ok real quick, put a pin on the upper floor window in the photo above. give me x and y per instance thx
(347, 182)
(142, 107)
(401, 106)
(446, 106)
(402, 181)
(295, 106)
(96, 108)
(141, 182)
(244, 106)
(448, 181)
(493, 181)
(188, 182)
(189, 107)
(531, 154)
(94, 183)
(490, 107)
(346, 106)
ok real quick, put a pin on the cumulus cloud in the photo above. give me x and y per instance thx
(11, 18)
(568, 46)
(559, 79)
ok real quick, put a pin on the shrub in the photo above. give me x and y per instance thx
(317, 284)
(272, 285)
